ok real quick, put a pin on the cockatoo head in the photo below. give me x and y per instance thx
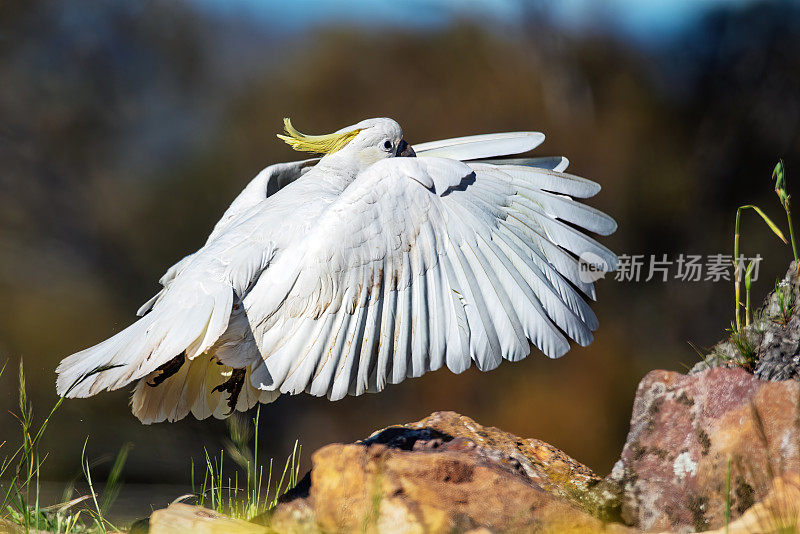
(366, 142)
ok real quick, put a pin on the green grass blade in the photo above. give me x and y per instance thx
(768, 221)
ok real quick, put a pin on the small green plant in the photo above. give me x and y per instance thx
(738, 336)
(779, 175)
(21, 471)
(20, 494)
(246, 499)
(784, 296)
(110, 492)
(748, 356)
(737, 263)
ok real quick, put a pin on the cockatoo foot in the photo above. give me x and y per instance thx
(168, 369)
(233, 385)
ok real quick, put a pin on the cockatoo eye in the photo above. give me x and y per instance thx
(387, 145)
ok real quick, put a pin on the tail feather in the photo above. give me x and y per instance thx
(192, 390)
(189, 317)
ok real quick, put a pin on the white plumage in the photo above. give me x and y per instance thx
(339, 275)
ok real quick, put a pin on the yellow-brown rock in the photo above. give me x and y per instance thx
(179, 518)
(548, 466)
(442, 474)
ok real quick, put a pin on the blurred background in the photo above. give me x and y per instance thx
(126, 128)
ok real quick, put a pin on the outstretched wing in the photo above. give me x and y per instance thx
(188, 315)
(266, 183)
(424, 262)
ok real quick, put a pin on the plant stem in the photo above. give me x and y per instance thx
(728, 497)
(791, 228)
(747, 307)
(747, 282)
(737, 267)
(736, 282)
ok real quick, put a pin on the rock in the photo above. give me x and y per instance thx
(774, 336)
(180, 518)
(688, 431)
(442, 474)
(294, 515)
(778, 512)
(549, 467)
(6, 527)
(779, 327)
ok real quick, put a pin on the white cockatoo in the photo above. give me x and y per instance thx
(375, 262)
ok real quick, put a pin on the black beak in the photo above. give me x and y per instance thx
(404, 150)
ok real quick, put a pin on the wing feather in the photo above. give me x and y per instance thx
(368, 343)
(553, 163)
(481, 146)
(379, 376)
(420, 321)
(401, 332)
(423, 262)
(549, 180)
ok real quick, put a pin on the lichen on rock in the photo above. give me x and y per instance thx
(735, 421)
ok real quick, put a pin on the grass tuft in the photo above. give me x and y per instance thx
(224, 492)
(20, 473)
(748, 355)
(239, 492)
(785, 297)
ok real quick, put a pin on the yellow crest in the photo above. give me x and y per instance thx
(317, 144)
